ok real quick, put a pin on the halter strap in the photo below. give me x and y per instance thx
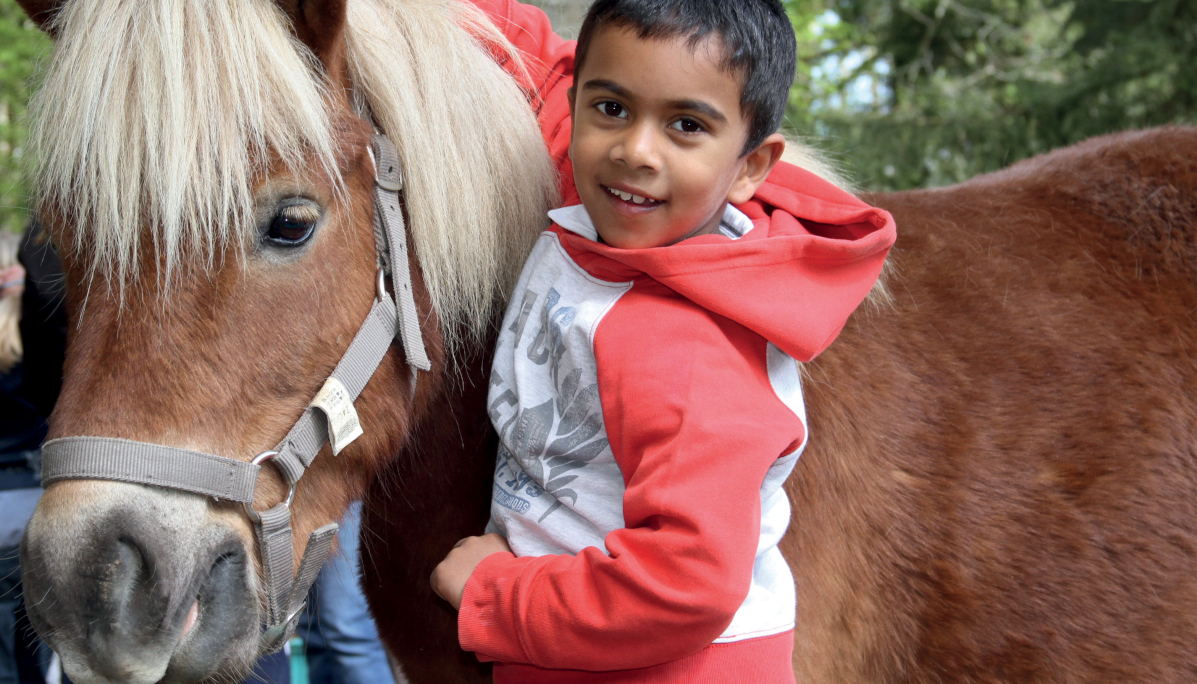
(391, 238)
(122, 460)
(152, 464)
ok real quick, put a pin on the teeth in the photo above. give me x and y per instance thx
(627, 196)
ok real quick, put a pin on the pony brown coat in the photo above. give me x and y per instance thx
(1000, 482)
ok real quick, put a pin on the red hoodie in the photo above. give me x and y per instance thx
(649, 412)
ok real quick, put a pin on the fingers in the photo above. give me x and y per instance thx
(449, 578)
(438, 586)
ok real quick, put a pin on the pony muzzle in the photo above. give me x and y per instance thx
(167, 591)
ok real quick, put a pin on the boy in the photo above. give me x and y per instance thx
(643, 388)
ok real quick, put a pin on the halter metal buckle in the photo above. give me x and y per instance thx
(249, 507)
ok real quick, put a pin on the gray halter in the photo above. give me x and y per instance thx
(230, 479)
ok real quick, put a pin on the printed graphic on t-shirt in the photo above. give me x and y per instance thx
(555, 472)
(559, 436)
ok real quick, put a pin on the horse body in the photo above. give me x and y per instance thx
(1000, 482)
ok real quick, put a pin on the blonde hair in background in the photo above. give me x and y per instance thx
(172, 128)
(11, 349)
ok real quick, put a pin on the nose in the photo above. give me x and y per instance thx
(128, 600)
(639, 148)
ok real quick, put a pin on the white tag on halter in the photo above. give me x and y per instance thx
(343, 426)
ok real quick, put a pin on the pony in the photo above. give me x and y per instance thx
(220, 171)
(1000, 483)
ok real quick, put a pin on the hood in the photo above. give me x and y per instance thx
(812, 256)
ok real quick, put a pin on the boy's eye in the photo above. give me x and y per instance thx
(613, 109)
(687, 126)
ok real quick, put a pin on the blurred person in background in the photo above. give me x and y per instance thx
(339, 634)
(22, 429)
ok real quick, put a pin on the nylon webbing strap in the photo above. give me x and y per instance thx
(307, 437)
(274, 538)
(314, 555)
(387, 210)
(370, 344)
(106, 458)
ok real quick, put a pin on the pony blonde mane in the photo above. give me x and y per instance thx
(478, 176)
(164, 113)
(808, 157)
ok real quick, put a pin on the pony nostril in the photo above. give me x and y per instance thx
(223, 612)
(128, 570)
(139, 601)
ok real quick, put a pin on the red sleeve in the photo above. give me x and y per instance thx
(694, 424)
(549, 60)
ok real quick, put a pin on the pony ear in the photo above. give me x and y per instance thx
(320, 24)
(42, 12)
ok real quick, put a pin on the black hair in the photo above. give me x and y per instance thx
(757, 39)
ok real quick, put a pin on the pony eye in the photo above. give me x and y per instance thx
(292, 226)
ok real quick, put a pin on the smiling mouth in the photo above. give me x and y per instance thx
(634, 199)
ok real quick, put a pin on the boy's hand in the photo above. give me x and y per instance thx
(449, 578)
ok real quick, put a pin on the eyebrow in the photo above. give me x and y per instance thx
(700, 107)
(604, 84)
(691, 105)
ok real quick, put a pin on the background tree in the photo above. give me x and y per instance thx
(911, 93)
(21, 47)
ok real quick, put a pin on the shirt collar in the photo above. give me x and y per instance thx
(576, 219)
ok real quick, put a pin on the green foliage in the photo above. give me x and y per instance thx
(912, 93)
(22, 45)
(1137, 60)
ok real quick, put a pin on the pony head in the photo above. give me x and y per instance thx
(204, 171)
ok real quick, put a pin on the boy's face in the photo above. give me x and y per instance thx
(657, 137)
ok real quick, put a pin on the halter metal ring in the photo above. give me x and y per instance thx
(249, 507)
(380, 287)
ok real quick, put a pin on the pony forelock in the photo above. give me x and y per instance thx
(162, 113)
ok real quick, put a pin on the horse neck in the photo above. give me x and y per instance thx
(435, 491)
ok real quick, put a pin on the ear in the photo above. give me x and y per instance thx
(757, 166)
(42, 12)
(320, 24)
